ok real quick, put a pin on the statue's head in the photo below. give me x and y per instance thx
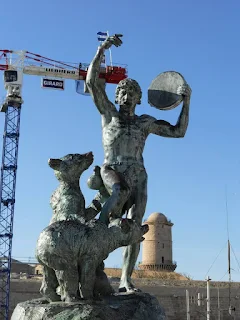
(128, 93)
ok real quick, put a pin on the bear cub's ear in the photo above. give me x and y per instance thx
(54, 163)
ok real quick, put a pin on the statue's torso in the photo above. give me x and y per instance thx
(124, 139)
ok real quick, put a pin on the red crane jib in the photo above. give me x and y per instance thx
(111, 75)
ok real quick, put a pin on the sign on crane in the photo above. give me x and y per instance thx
(15, 64)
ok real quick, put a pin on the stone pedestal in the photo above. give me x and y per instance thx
(124, 306)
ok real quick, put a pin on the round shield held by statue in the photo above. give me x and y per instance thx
(162, 93)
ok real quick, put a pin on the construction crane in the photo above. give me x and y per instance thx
(15, 64)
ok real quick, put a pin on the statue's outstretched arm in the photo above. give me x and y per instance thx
(94, 86)
(165, 129)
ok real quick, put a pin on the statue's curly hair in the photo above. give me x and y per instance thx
(124, 83)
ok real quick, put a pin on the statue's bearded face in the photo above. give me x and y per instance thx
(128, 93)
(126, 96)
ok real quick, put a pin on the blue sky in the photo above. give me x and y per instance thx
(187, 177)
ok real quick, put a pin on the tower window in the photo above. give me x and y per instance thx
(163, 245)
(162, 259)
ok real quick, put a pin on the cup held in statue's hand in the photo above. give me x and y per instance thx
(162, 93)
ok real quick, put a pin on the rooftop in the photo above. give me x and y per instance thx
(158, 218)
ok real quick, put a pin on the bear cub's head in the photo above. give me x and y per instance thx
(70, 167)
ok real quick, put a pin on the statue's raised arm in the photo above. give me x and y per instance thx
(94, 86)
(164, 128)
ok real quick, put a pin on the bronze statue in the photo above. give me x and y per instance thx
(124, 135)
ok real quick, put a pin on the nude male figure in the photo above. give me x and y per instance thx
(124, 136)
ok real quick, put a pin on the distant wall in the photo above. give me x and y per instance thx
(22, 290)
(18, 267)
(172, 299)
(175, 309)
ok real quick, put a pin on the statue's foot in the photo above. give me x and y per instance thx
(52, 297)
(128, 288)
(70, 299)
(102, 285)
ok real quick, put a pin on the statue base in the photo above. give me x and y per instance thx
(122, 306)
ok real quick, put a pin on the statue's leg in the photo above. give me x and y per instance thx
(119, 193)
(49, 284)
(131, 252)
(60, 289)
(69, 282)
(102, 286)
(88, 277)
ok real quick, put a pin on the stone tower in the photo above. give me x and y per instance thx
(157, 246)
